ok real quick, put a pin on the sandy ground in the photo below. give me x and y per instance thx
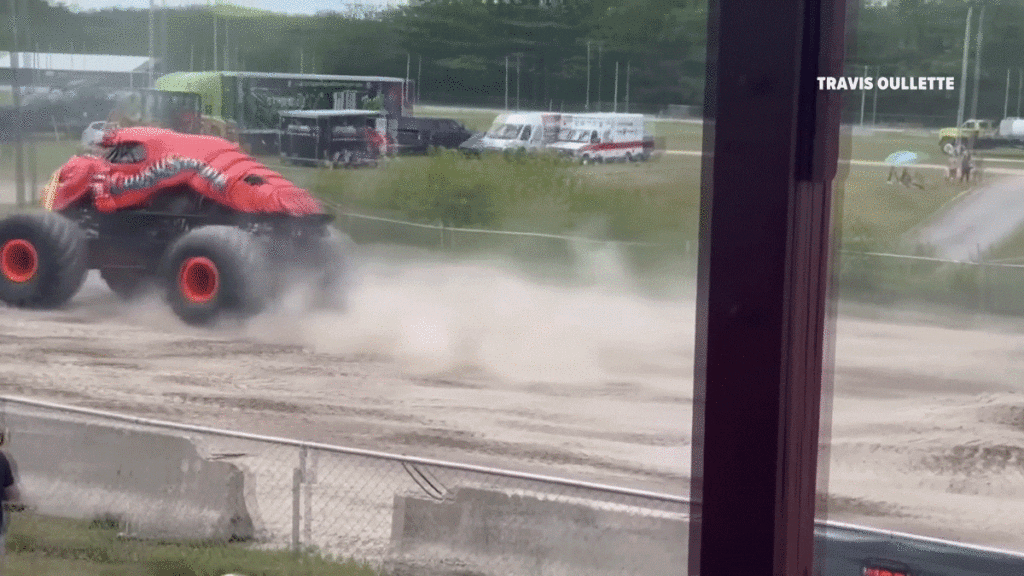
(477, 362)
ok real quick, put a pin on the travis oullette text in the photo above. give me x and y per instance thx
(885, 83)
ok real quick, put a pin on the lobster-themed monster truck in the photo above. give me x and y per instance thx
(192, 215)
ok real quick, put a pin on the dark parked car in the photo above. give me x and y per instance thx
(417, 134)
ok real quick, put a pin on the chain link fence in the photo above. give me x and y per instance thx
(983, 285)
(398, 514)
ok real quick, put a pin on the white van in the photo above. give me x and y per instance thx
(604, 137)
(521, 131)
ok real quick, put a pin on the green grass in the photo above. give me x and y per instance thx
(39, 546)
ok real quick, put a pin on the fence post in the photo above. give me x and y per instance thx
(308, 478)
(297, 497)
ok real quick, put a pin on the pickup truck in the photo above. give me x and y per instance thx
(983, 134)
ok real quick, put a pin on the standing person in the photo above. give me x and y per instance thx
(953, 168)
(966, 165)
(8, 493)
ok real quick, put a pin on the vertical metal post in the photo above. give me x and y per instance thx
(977, 63)
(192, 58)
(419, 77)
(227, 47)
(1006, 100)
(963, 73)
(588, 76)
(19, 160)
(297, 498)
(152, 41)
(615, 105)
(519, 63)
(215, 45)
(1020, 87)
(627, 87)
(506, 82)
(600, 76)
(874, 99)
(308, 478)
(863, 97)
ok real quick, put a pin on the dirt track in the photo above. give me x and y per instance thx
(473, 362)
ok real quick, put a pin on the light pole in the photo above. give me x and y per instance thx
(863, 96)
(1006, 100)
(977, 62)
(152, 39)
(588, 75)
(963, 74)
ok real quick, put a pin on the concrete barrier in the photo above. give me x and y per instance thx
(487, 532)
(156, 484)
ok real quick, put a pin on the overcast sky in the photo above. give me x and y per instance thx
(287, 6)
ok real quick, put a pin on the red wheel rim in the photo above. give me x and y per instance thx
(199, 279)
(19, 261)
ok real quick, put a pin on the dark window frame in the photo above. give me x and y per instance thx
(764, 295)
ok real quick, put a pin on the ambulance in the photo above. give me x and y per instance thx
(604, 137)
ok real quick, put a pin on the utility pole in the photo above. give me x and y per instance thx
(1006, 100)
(152, 40)
(874, 98)
(600, 76)
(19, 160)
(419, 77)
(1020, 87)
(519, 64)
(963, 74)
(405, 96)
(615, 105)
(977, 63)
(588, 75)
(627, 86)
(863, 96)
(226, 58)
(506, 82)
(216, 46)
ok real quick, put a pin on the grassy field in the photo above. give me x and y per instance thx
(40, 546)
(655, 201)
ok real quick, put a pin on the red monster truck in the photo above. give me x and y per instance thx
(192, 215)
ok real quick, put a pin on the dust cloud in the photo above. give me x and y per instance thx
(489, 317)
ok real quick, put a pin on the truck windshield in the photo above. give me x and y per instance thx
(505, 131)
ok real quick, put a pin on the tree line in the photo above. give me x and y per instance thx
(460, 51)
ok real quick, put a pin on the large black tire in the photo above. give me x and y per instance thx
(215, 272)
(43, 260)
(127, 283)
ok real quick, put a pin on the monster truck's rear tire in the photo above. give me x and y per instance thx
(215, 272)
(335, 274)
(127, 283)
(43, 260)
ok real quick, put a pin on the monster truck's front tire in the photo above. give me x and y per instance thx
(216, 271)
(43, 260)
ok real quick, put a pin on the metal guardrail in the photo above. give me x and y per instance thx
(409, 515)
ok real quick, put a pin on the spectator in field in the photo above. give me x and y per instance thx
(8, 493)
(953, 168)
(966, 166)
